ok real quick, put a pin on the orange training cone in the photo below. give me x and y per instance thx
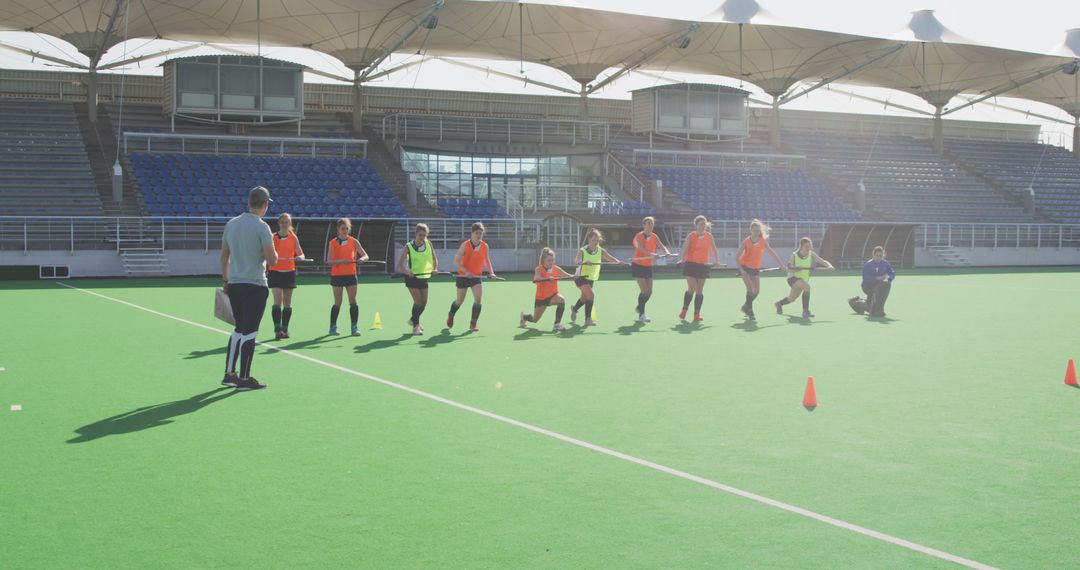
(809, 399)
(1070, 374)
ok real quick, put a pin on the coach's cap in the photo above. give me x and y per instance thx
(258, 196)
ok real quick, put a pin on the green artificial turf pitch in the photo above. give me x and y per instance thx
(946, 424)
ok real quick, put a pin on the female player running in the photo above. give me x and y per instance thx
(470, 260)
(645, 245)
(418, 262)
(749, 257)
(546, 276)
(342, 253)
(802, 262)
(589, 259)
(281, 277)
(697, 248)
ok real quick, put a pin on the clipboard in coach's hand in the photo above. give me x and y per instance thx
(223, 307)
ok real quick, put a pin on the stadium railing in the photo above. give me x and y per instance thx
(75, 233)
(296, 147)
(401, 126)
(644, 157)
(88, 233)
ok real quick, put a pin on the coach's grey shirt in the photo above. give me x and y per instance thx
(246, 236)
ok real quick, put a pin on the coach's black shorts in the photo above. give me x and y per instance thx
(544, 302)
(751, 270)
(641, 271)
(581, 282)
(343, 280)
(416, 283)
(467, 282)
(248, 305)
(695, 270)
(281, 279)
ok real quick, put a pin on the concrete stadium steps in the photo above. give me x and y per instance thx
(100, 144)
(44, 168)
(144, 262)
(905, 179)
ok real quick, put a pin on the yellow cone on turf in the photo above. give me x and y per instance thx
(595, 319)
(377, 325)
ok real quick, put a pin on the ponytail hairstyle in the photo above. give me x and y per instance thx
(478, 226)
(544, 253)
(805, 240)
(708, 224)
(345, 221)
(593, 232)
(762, 226)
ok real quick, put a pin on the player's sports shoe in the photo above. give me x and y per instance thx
(416, 330)
(698, 318)
(248, 384)
(473, 327)
(333, 330)
(779, 308)
(573, 314)
(807, 315)
(590, 323)
(355, 330)
(449, 321)
(521, 320)
(746, 311)
(229, 380)
(421, 328)
(284, 334)
(682, 315)
(643, 319)
(558, 328)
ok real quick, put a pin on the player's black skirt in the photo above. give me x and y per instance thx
(641, 271)
(791, 280)
(343, 280)
(416, 283)
(581, 282)
(751, 270)
(695, 270)
(544, 302)
(281, 279)
(467, 282)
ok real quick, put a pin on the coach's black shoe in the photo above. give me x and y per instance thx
(248, 384)
(229, 380)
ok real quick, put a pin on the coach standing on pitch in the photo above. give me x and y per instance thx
(246, 247)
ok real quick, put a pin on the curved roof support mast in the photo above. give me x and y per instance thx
(364, 61)
(95, 58)
(780, 99)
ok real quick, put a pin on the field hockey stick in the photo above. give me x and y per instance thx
(494, 277)
(375, 261)
(546, 279)
(430, 274)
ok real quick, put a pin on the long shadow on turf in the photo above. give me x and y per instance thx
(301, 345)
(219, 351)
(689, 327)
(795, 320)
(379, 344)
(627, 330)
(751, 326)
(442, 338)
(148, 416)
(881, 320)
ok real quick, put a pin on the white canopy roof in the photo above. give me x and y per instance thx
(583, 43)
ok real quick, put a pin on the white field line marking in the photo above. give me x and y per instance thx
(590, 446)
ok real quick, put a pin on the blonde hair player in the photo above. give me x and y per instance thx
(418, 262)
(589, 259)
(751, 250)
(342, 253)
(547, 276)
(281, 277)
(697, 247)
(646, 242)
(470, 260)
(803, 261)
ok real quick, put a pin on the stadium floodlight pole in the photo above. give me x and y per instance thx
(507, 75)
(38, 55)
(841, 74)
(682, 40)
(1012, 85)
(421, 22)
